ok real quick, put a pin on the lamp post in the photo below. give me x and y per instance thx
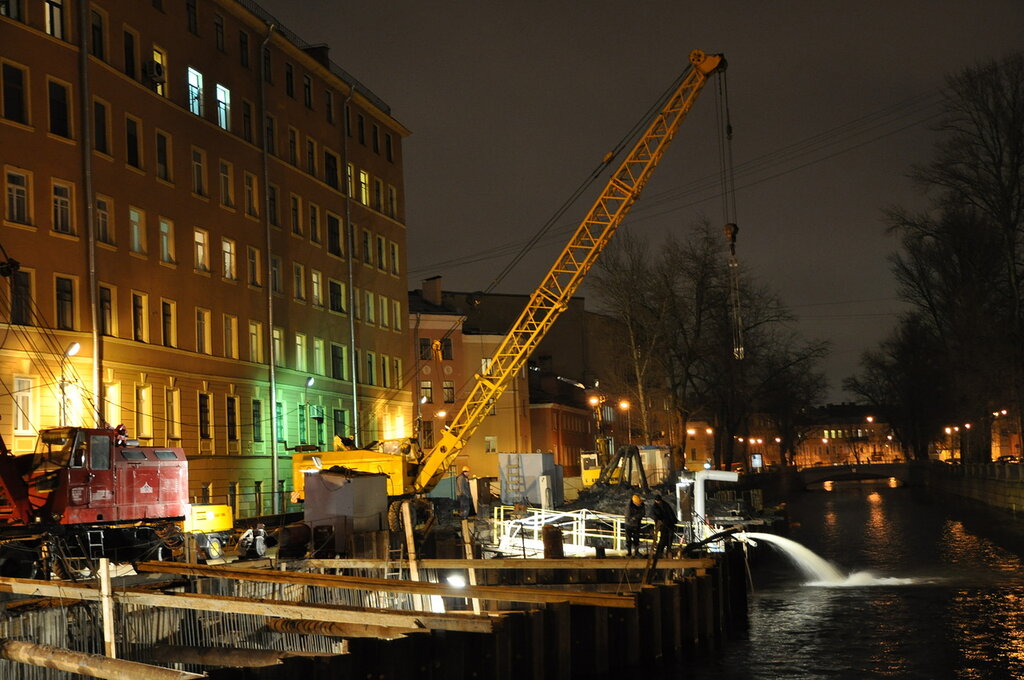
(71, 351)
(624, 406)
(305, 405)
(599, 443)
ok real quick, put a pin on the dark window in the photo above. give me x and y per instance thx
(131, 138)
(335, 298)
(289, 80)
(232, 419)
(361, 128)
(163, 170)
(106, 311)
(271, 139)
(165, 454)
(337, 363)
(167, 323)
(21, 298)
(257, 420)
(331, 170)
(428, 435)
(267, 73)
(129, 454)
(60, 123)
(425, 352)
(340, 424)
(448, 387)
(272, 204)
(100, 138)
(247, 121)
(138, 318)
(191, 16)
(65, 304)
(96, 34)
(376, 138)
(14, 94)
(446, 349)
(333, 235)
(204, 416)
(129, 54)
(389, 150)
(329, 106)
(303, 424)
(307, 91)
(243, 48)
(218, 31)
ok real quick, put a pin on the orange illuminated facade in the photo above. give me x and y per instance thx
(214, 211)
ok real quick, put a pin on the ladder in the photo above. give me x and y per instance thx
(515, 483)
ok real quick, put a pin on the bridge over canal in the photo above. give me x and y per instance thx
(838, 473)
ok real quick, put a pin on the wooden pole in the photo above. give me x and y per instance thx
(467, 544)
(89, 665)
(107, 609)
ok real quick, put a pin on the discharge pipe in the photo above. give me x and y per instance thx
(698, 494)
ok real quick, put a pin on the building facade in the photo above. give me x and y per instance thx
(214, 212)
(446, 361)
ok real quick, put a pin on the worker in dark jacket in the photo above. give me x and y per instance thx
(633, 516)
(464, 495)
(665, 524)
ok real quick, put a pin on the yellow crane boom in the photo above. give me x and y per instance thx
(552, 296)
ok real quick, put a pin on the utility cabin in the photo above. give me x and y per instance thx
(94, 475)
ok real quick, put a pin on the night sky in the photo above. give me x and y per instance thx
(512, 104)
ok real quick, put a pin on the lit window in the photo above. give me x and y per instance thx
(203, 331)
(299, 281)
(166, 241)
(62, 209)
(104, 220)
(201, 250)
(223, 107)
(195, 91)
(230, 336)
(55, 18)
(137, 231)
(229, 259)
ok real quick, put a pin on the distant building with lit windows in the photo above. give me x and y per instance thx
(214, 211)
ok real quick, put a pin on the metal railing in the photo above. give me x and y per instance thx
(520, 531)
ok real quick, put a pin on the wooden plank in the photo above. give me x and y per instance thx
(240, 605)
(615, 563)
(502, 593)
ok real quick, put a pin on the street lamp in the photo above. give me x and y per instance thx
(624, 405)
(599, 443)
(71, 351)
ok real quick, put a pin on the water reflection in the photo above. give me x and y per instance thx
(946, 601)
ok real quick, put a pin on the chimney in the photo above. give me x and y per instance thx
(432, 290)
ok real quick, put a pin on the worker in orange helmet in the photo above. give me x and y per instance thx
(633, 517)
(463, 494)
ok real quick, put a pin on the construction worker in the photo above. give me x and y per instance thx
(665, 524)
(634, 515)
(463, 494)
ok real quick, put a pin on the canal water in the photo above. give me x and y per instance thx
(931, 592)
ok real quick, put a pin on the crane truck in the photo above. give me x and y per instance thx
(86, 493)
(411, 471)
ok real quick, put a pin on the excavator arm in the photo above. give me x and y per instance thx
(559, 285)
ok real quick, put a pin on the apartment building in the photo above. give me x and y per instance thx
(446, 360)
(211, 213)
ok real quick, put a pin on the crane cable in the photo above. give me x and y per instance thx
(728, 192)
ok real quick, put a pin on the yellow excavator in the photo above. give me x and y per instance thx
(412, 471)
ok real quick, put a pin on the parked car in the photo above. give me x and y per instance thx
(1007, 459)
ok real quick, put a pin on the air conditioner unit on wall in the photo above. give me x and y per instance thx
(154, 71)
